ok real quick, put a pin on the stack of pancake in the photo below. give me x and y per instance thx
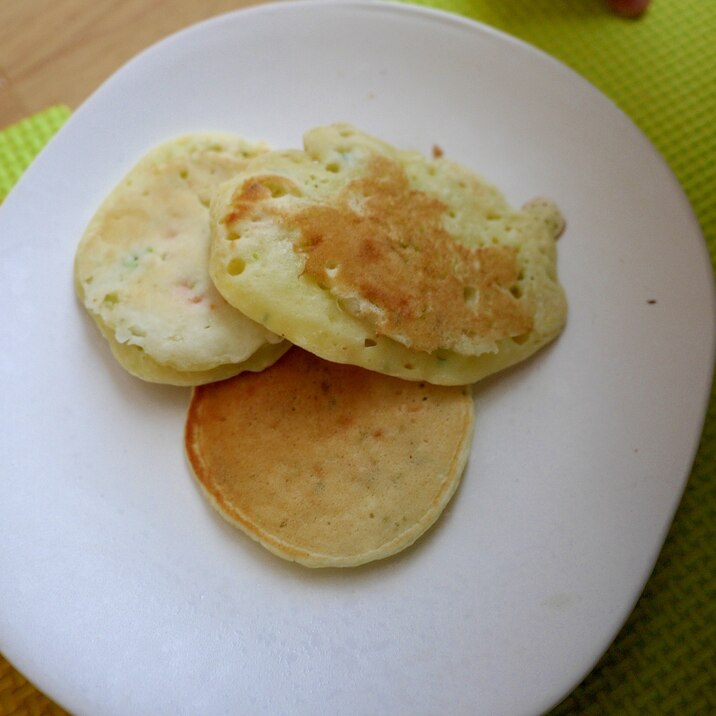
(391, 282)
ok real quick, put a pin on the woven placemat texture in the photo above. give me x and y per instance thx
(20, 143)
(18, 697)
(661, 70)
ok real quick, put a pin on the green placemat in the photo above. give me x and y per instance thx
(20, 143)
(661, 70)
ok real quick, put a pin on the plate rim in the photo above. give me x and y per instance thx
(469, 25)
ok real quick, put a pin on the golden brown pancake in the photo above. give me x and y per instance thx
(365, 254)
(326, 464)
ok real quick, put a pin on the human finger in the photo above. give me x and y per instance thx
(629, 8)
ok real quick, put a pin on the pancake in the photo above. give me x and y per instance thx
(326, 464)
(141, 268)
(366, 254)
(136, 362)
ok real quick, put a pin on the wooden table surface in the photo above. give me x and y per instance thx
(60, 51)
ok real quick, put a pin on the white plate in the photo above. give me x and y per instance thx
(121, 592)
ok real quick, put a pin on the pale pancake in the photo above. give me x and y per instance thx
(365, 254)
(136, 361)
(325, 464)
(141, 268)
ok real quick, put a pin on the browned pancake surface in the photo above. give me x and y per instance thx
(382, 241)
(328, 464)
(365, 254)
